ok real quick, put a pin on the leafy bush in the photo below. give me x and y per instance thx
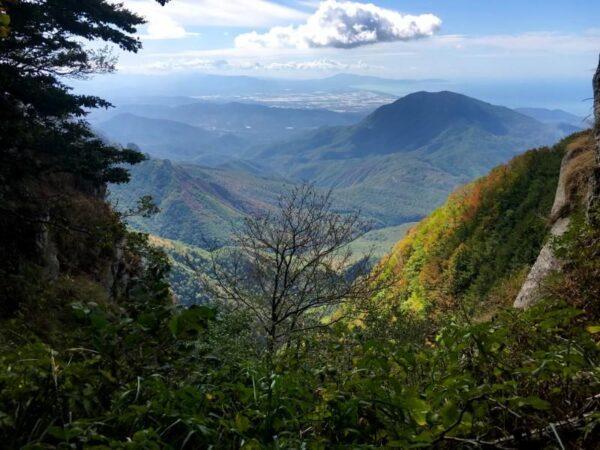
(83, 368)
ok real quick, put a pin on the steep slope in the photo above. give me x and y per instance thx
(163, 138)
(198, 204)
(475, 250)
(185, 261)
(571, 194)
(578, 191)
(389, 189)
(593, 210)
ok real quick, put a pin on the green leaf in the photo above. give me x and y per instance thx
(538, 403)
(593, 329)
(534, 402)
(418, 409)
(449, 413)
(98, 320)
(242, 423)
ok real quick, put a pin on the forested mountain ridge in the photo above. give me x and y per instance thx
(199, 204)
(194, 130)
(414, 122)
(236, 116)
(193, 197)
(405, 158)
(414, 153)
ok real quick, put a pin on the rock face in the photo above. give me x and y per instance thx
(546, 261)
(101, 254)
(579, 182)
(47, 250)
(594, 197)
(597, 111)
(545, 264)
(572, 190)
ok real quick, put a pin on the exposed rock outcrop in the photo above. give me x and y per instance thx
(80, 235)
(574, 173)
(594, 196)
(579, 182)
(47, 250)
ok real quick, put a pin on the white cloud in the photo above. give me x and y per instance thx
(163, 27)
(211, 65)
(523, 43)
(318, 65)
(342, 24)
(548, 42)
(173, 20)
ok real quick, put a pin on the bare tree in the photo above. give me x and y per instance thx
(292, 267)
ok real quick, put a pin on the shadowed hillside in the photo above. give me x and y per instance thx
(198, 204)
(164, 138)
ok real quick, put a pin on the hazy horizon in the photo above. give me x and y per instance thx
(514, 53)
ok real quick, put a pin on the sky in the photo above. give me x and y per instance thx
(467, 38)
(467, 41)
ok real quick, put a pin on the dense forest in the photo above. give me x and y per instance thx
(297, 343)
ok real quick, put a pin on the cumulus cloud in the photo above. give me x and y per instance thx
(343, 24)
(174, 19)
(163, 27)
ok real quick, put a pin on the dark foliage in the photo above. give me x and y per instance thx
(47, 151)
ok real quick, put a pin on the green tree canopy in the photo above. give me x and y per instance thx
(48, 153)
(41, 121)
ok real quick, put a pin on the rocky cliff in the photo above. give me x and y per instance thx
(58, 228)
(579, 185)
(571, 192)
(594, 197)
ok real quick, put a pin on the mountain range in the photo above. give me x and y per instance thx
(555, 116)
(163, 138)
(395, 165)
(442, 125)
(203, 132)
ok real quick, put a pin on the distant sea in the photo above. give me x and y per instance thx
(571, 95)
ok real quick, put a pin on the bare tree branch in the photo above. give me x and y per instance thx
(292, 267)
